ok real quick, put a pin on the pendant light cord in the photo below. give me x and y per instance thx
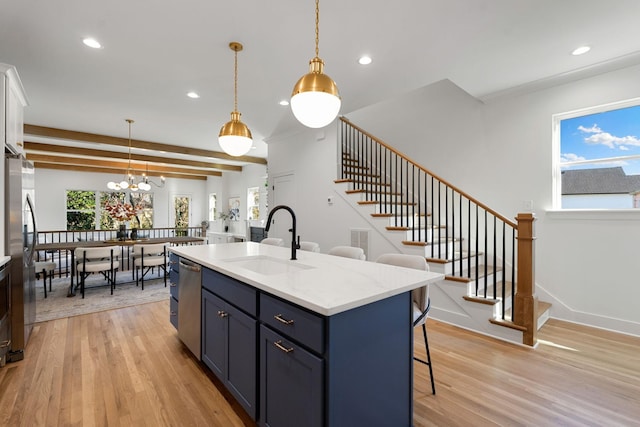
(235, 82)
(129, 166)
(317, 28)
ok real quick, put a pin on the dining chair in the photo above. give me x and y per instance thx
(148, 256)
(273, 241)
(103, 260)
(420, 297)
(46, 268)
(310, 246)
(348, 252)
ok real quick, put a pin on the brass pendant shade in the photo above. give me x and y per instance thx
(235, 137)
(316, 80)
(315, 100)
(235, 127)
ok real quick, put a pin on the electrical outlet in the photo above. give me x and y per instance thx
(527, 205)
(330, 200)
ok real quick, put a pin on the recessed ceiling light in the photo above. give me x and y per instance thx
(193, 95)
(284, 102)
(365, 60)
(581, 50)
(91, 42)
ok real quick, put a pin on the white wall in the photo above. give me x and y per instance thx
(499, 152)
(51, 186)
(235, 184)
(311, 155)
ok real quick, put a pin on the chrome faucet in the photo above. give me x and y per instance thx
(294, 245)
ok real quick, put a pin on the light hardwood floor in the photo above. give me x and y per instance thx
(126, 367)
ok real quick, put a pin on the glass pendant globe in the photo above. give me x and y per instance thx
(235, 145)
(315, 109)
(124, 184)
(112, 185)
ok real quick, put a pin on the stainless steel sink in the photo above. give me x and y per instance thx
(267, 265)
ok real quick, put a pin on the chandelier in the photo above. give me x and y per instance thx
(129, 181)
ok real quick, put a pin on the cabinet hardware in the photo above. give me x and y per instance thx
(281, 347)
(281, 319)
(222, 313)
(4, 344)
(173, 313)
(173, 285)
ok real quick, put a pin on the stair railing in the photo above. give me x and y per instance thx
(455, 228)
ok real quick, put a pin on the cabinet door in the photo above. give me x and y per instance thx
(214, 334)
(291, 383)
(173, 311)
(229, 348)
(241, 378)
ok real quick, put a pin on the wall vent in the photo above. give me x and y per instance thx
(360, 239)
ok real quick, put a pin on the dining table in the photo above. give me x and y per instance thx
(71, 246)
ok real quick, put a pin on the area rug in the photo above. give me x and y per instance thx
(97, 296)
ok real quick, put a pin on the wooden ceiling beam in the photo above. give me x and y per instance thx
(53, 148)
(124, 142)
(75, 168)
(151, 170)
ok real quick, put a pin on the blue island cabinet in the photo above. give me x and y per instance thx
(229, 336)
(174, 280)
(353, 368)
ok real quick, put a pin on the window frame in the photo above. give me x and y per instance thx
(556, 164)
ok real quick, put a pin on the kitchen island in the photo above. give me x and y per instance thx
(322, 340)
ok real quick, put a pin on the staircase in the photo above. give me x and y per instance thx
(477, 249)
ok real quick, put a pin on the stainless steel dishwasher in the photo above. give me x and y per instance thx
(189, 300)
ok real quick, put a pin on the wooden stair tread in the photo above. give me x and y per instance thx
(543, 306)
(363, 202)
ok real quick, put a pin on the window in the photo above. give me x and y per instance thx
(141, 202)
(253, 203)
(181, 211)
(213, 213)
(81, 210)
(597, 165)
(85, 209)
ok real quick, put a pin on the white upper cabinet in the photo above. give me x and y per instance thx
(12, 102)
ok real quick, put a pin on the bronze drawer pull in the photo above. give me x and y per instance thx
(222, 313)
(281, 347)
(281, 319)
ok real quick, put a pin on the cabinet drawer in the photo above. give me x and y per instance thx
(174, 263)
(173, 311)
(237, 293)
(174, 280)
(295, 322)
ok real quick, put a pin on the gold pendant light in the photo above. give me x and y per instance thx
(315, 100)
(235, 137)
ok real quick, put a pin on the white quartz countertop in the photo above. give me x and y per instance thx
(4, 260)
(325, 284)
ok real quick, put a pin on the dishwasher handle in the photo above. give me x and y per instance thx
(191, 267)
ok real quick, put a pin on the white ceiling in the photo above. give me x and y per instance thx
(155, 51)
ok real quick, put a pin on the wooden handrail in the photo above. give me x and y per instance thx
(413, 162)
(497, 256)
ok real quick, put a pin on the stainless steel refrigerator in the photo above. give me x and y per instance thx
(21, 237)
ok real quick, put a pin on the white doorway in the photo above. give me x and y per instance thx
(283, 191)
